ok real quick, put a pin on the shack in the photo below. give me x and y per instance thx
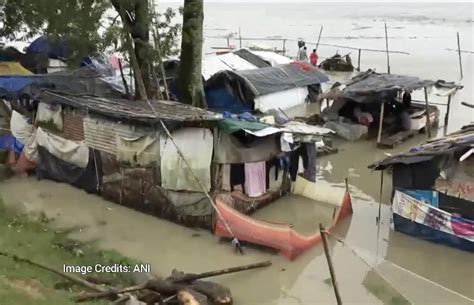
(118, 149)
(433, 189)
(277, 87)
(382, 105)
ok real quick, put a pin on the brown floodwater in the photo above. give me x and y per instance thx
(421, 272)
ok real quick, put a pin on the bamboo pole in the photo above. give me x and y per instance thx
(386, 48)
(127, 90)
(459, 53)
(380, 199)
(319, 38)
(240, 38)
(446, 117)
(382, 111)
(358, 60)
(428, 123)
(156, 39)
(330, 264)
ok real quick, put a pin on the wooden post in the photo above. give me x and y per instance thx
(428, 123)
(330, 264)
(319, 38)
(380, 198)
(284, 46)
(446, 117)
(386, 48)
(358, 60)
(240, 39)
(459, 53)
(382, 110)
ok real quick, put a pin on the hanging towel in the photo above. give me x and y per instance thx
(226, 177)
(255, 174)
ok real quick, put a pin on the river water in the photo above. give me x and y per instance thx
(422, 272)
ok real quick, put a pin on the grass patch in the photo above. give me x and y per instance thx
(22, 284)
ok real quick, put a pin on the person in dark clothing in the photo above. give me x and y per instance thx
(406, 101)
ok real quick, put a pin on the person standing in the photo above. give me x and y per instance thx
(302, 54)
(313, 58)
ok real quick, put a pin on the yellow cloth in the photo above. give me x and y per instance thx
(13, 68)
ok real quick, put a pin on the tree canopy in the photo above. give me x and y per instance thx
(93, 26)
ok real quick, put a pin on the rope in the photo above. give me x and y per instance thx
(235, 241)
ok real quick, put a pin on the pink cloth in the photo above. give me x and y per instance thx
(255, 184)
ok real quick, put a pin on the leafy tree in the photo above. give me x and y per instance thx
(92, 26)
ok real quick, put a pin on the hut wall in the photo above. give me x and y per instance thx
(73, 124)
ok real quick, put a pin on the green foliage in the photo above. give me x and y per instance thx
(88, 26)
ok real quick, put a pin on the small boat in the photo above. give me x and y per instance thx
(416, 213)
(337, 63)
(277, 236)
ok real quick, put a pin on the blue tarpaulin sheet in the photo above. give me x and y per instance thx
(9, 142)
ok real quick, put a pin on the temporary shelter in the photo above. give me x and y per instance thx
(433, 189)
(374, 91)
(282, 86)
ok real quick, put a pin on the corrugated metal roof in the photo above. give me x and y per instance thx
(132, 111)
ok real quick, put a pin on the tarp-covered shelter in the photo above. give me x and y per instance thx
(282, 86)
(53, 48)
(433, 189)
(371, 87)
(79, 81)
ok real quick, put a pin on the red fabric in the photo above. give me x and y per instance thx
(313, 59)
(305, 67)
(23, 165)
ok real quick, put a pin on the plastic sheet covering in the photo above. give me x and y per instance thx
(102, 134)
(13, 68)
(76, 153)
(249, 84)
(283, 99)
(320, 191)
(20, 127)
(52, 168)
(50, 114)
(30, 149)
(369, 87)
(273, 58)
(229, 150)
(139, 151)
(214, 64)
(197, 147)
(350, 132)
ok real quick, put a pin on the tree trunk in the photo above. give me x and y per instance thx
(190, 75)
(139, 28)
(140, 34)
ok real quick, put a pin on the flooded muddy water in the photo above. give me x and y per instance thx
(419, 271)
(414, 269)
